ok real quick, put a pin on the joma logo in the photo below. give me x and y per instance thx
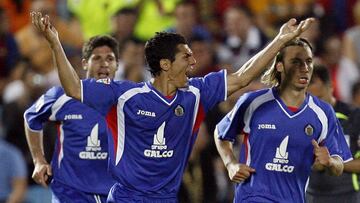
(146, 113)
(267, 126)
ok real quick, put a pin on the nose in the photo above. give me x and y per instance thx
(104, 63)
(305, 67)
(192, 61)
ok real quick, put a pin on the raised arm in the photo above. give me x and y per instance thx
(258, 63)
(68, 76)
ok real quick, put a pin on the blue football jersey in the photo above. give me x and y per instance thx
(152, 134)
(277, 144)
(80, 157)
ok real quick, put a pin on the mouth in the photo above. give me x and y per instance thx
(304, 80)
(103, 73)
(189, 70)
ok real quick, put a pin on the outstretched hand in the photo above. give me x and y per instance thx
(43, 25)
(290, 29)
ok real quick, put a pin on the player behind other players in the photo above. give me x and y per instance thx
(323, 187)
(282, 127)
(80, 161)
(156, 122)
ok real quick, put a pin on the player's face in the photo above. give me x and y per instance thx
(184, 62)
(297, 67)
(101, 64)
(318, 88)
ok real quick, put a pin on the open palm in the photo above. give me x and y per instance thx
(290, 29)
(43, 25)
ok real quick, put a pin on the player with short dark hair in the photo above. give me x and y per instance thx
(156, 122)
(286, 131)
(80, 162)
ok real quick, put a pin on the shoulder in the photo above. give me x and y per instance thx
(260, 95)
(317, 104)
(219, 75)
(113, 83)
(257, 97)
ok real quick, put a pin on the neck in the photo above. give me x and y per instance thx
(332, 101)
(292, 97)
(164, 86)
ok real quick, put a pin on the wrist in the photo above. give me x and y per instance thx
(39, 160)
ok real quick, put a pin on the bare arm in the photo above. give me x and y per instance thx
(19, 186)
(352, 166)
(68, 76)
(237, 172)
(42, 169)
(336, 166)
(258, 63)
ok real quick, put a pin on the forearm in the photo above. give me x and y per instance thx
(67, 74)
(352, 166)
(35, 143)
(336, 166)
(255, 66)
(225, 149)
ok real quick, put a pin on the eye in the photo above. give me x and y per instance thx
(296, 62)
(111, 58)
(96, 58)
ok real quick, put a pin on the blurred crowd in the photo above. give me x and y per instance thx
(223, 34)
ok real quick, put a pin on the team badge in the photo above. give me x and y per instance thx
(309, 130)
(179, 110)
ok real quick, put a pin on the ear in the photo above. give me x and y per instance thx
(84, 64)
(165, 64)
(279, 67)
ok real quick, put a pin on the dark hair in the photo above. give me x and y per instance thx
(98, 41)
(322, 72)
(126, 11)
(162, 46)
(272, 77)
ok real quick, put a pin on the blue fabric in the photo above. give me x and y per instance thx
(12, 165)
(152, 136)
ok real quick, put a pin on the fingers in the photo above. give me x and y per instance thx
(242, 173)
(40, 178)
(42, 175)
(315, 144)
(41, 23)
(307, 23)
(291, 22)
(48, 170)
(304, 25)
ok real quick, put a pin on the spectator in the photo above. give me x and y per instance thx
(13, 173)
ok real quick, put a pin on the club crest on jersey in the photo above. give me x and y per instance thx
(309, 130)
(179, 110)
(105, 81)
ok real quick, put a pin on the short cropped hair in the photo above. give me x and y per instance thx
(162, 46)
(322, 72)
(98, 41)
